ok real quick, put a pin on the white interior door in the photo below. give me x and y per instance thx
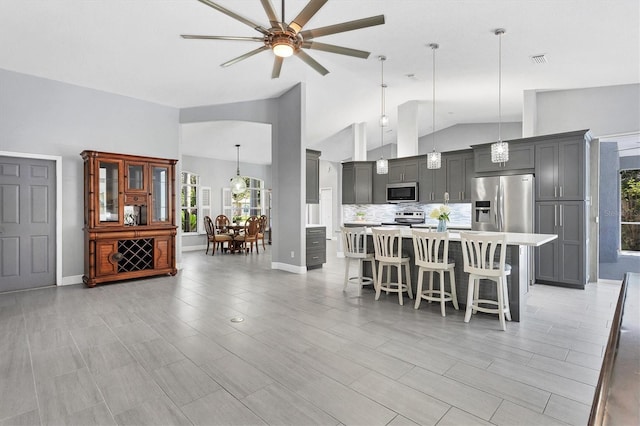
(326, 210)
(27, 223)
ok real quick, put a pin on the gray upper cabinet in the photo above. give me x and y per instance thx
(403, 170)
(379, 187)
(460, 173)
(432, 183)
(560, 170)
(313, 177)
(521, 156)
(357, 182)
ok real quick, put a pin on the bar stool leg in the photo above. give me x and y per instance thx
(346, 273)
(467, 314)
(507, 310)
(452, 284)
(500, 292)
(378, 284)
(419, 288)
(430, 285)
(400, 298)
(442, 310)
(407, 272)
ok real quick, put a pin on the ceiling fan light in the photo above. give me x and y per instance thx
(283, 49)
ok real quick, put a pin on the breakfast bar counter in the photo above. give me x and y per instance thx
(519, 256)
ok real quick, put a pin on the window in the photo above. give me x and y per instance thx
(630, 210)
(238, 207)
(189, 202)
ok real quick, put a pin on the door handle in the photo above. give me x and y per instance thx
(560, 215)
(560, 191)
(555, 191)
(555, 216)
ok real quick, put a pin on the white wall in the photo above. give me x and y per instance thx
(40, 116)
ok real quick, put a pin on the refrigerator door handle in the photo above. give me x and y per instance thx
(555, 216)
(496, 209)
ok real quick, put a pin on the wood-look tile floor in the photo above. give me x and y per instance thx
(163, 351)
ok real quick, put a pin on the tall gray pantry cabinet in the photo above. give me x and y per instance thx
(562, 171)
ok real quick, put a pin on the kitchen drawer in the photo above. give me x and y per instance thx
(316, 257)
(314, 241)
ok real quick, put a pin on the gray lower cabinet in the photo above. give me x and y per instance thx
(562, 261)
(357, 182)
(521, 156)
(432, 183)
(316, 246)
(561, 170)
(313, 177)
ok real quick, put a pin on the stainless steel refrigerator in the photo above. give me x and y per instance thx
(503, 203)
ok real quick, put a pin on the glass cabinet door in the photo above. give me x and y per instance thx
(160, 208)
(108, 174)
(135, 177)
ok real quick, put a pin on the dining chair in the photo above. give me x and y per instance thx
(262, 230)
(354, 243)
(431, 251)
(215, 237)
(222, 225)
(250, 235)
(479, 252)
(387, 244)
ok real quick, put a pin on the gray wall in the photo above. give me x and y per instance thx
(609, 209)
(216, 174)
(454, 138)
(40, 116)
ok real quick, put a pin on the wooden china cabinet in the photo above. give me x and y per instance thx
(129, 217)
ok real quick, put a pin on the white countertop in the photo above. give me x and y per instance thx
(513, 238)
(315, 226)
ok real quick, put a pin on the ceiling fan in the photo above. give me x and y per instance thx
(289, 39)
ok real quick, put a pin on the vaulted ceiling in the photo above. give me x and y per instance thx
(133, 48)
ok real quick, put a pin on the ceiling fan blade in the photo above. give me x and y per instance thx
(314, 45)
(271, 14)
(235, 16)
(345, 26)
(277, 65)
(312, 62)
(305, 14)
(245, 56)
(205, 37)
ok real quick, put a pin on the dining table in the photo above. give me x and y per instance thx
(235, 246)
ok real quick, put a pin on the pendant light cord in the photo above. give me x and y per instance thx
(434, 46)
(382, 103)
(237, 160)
(499, 33)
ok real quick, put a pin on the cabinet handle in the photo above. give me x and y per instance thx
(117, 257)
(314, 242)
(555, 191)
(561, 215)
(555, 216)
(560, 191)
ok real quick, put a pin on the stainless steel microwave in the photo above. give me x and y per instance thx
(406, 192)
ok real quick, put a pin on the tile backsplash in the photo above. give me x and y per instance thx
(460, 212)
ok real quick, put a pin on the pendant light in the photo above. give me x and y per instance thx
(238, 184)
(382, 165)
(434, 157)
(500, 149)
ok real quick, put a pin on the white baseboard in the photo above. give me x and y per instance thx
(194, 248)
(71, 280)
(289, 268)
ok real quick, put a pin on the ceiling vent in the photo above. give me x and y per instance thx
(538, 59)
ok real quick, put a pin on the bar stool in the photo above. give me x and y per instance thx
(354, 242)
(431, 251)
(387, 244)
(479, 251)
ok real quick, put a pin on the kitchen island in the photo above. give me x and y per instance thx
(518, 255)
